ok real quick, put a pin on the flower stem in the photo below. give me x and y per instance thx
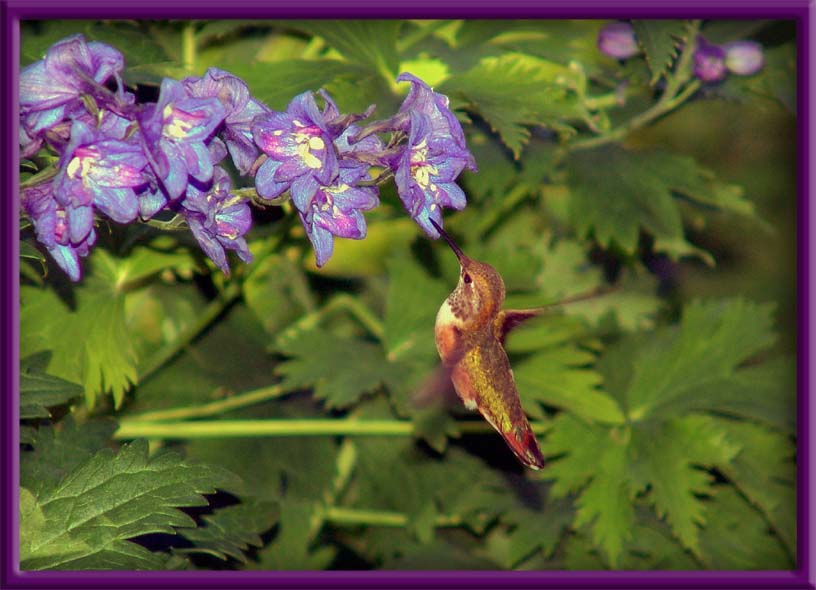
(135, 428)
(213, 408)
(351, 516)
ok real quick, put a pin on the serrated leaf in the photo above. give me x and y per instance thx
(556, 377)
(664, 457)
(765, 472)
(515, 90)
(231, 531)
(40, 391)
(90, 344)
(712, 340)
(606, 501)
(658, 39)
(340, 369)
(536, 529)
(616, 193)
(86, 519)
(749, 546)
(58, 451)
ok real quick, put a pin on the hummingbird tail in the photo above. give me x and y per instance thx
(524, 445)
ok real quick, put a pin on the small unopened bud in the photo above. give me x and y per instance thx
(744, 58)
(709, 61)
(618, 40)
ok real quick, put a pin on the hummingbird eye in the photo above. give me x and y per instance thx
(466, 278)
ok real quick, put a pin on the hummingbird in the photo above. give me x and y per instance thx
(470, 331)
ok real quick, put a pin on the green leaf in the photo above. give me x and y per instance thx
(371, 43)
(765, 473)
(90, 344)
(292, 547)
(231, 531)
(556, 377)
(40, 391)
(277, 292)
(658, 39)
(536, 529)
(748, 546)
(664, 457)
(412, 302)
(712, 340)
(277, 83)
(616, 193)
(85, 521)
(341, 369)
(606, 502)
(515, 90)
(58, 451)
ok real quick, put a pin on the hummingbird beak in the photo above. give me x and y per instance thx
(456, 250)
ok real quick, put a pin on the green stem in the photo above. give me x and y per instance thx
(341, 302)
(352, 517)
(138, 428)
(671, 98)
(211, 313)
(213, 408)
(188, 47)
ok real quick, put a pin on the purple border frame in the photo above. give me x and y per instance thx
(802, 11)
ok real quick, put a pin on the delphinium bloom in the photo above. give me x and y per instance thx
(435, 155)
(240, 107)
(176, 131)
(301, 157)
(97, 172)
(217, 218)
(744, 58)
(618, 40)
(709, 61)
(52, 89)
(336, 210)
(53, 228)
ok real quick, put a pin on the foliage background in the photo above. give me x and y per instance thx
(278, 403)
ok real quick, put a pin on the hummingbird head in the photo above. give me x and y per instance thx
(479, 295)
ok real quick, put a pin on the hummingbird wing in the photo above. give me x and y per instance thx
(484, 381)
(507, 319)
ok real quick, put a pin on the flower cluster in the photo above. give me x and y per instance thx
(130, 161)
(712, 63)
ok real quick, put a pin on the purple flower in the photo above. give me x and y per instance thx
(176, 131)
(241, 109)
(709, 61)
(618, 40)
(299, 145)
(335, 210)
(217, 219)
(744, 58)
(53, 228)
(425, 172)
(96, 171)
(51, 89)
(444, 128)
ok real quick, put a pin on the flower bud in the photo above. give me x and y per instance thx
(744, 58)
(709, 61)
(618, 40)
